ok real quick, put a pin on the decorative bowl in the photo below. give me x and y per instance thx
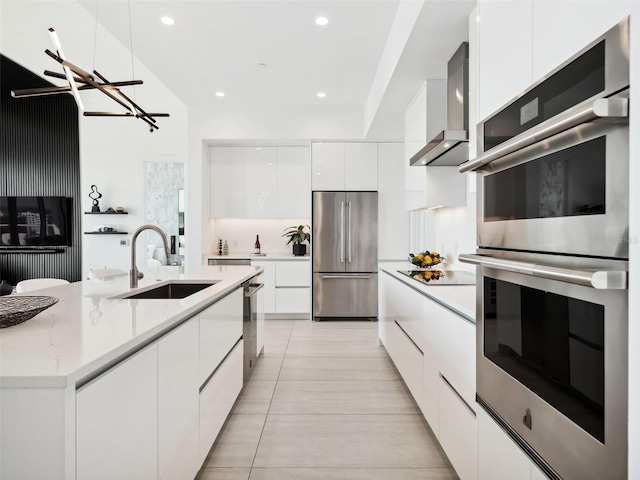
(18, 309)
(426, 259)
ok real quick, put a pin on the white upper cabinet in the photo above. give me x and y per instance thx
(554, 43)
(361, 166)
(505, 33)
(344, 166)
(294, 182)
(327, 166)
(227, 182)
(393, 221)
(415, 137)
(260, 182)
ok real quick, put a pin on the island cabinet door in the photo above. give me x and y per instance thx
(178, 402)
(217, 397)
(117, 421)
(220, 329)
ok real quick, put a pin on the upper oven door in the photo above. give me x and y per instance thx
(567, 194)
(552, 357)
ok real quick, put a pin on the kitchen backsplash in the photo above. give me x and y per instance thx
(455, 231)
(241, 233)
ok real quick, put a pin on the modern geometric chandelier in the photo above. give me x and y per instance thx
(83, 80)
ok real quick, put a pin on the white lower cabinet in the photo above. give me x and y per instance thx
(458, 431)
(408, 359)
(500, 457)
(220, 329)
(293, 300)
(156, 414)
(431, 380)
(178, 402)
(269, 279)
(217, 398)
(117, 421)
(287, 286)
(434, 352)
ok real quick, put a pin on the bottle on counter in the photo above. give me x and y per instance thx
(256, 246)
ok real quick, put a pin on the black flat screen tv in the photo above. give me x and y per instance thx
(33, 222)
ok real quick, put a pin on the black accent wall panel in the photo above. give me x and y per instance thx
(39, 155)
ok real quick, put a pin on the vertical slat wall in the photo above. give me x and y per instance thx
(39, 155)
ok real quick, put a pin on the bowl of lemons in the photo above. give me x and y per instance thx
(426, 259)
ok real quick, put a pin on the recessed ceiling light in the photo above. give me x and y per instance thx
(219, 94)
(322, 21)
(167, 20)
(321, 94)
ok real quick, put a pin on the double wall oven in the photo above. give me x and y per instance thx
(552, 304)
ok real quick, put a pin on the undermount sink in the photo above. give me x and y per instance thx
(168, 290)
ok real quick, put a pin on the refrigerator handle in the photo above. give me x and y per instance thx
(341, 232)
(349, 230)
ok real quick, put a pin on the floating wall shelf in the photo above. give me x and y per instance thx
(106, 213)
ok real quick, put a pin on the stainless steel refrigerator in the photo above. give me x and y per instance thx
(344, 244)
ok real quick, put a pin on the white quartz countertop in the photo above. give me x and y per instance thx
(87, 330)
(259, 258)
(460, 299)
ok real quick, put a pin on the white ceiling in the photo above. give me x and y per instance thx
(216, 45)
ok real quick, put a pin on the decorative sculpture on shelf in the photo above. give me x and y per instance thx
(95, 195)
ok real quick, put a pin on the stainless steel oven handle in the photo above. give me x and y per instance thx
(600, 279)
(610, 108)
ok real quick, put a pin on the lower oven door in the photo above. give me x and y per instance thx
(552, 358)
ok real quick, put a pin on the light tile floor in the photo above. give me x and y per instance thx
(325, 403)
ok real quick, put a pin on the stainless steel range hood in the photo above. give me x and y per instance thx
(451, 147)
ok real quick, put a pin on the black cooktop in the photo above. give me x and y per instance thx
(441, 277)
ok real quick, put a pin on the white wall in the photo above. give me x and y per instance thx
(112, 150)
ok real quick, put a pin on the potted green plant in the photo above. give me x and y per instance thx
(297, 236)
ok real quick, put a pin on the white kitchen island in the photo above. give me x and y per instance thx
(429, 332)
(98, 387)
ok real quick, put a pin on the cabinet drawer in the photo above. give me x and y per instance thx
(458, 432)
(178, 402)
(293, 300)
(293, 274)
(457, 351)
(220, 329)
(408, 359)
(217, 398)
(117, 421)
(268, 278)
(498, 455)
